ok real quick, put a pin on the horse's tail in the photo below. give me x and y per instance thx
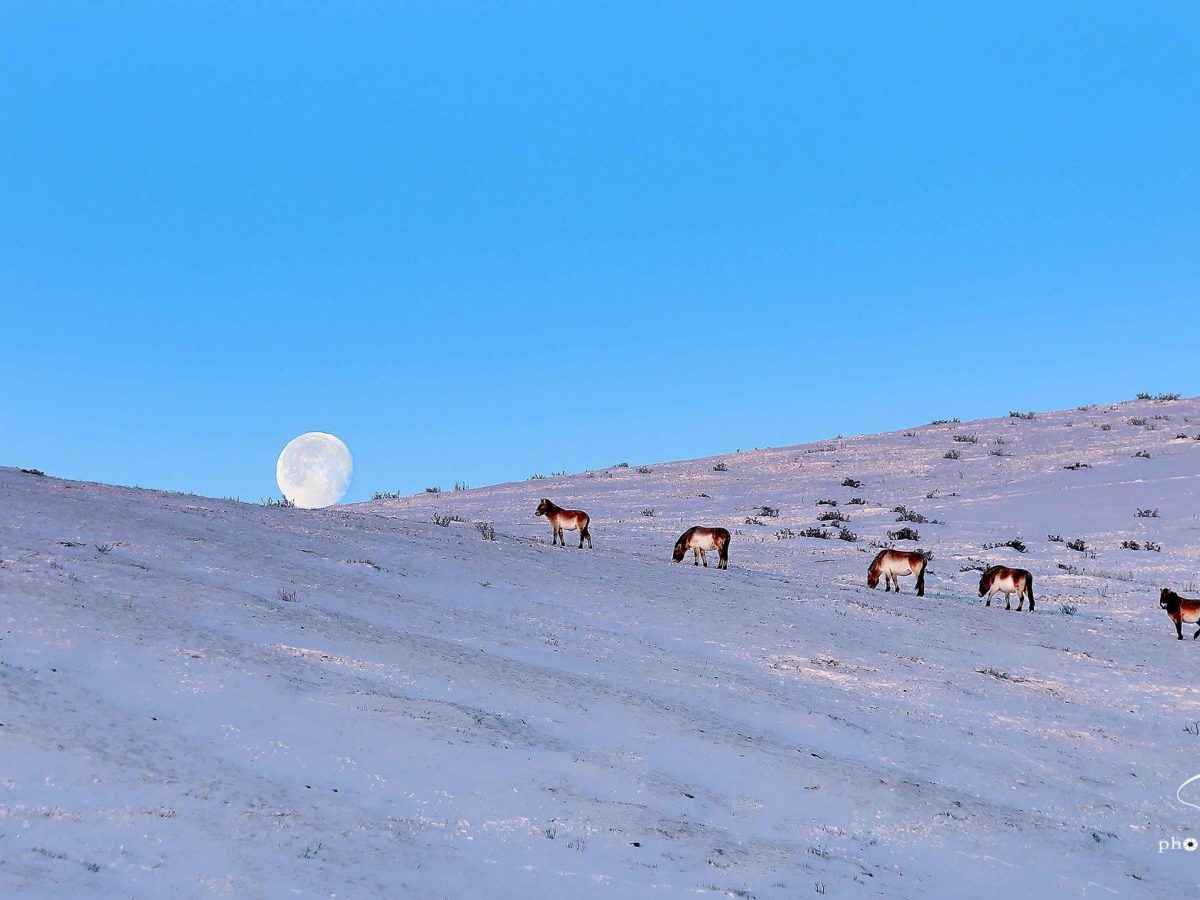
(921, 576)
(1029, 590)
(586, 532)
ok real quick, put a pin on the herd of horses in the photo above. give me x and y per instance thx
(891, 565)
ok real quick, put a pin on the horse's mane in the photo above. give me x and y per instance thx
(877, 562)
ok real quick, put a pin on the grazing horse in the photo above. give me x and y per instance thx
(893, 563)
(565, 519)
(1181, 610)
(698, 539)
(1006, 581)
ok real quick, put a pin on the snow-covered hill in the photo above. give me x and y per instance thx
(208, 698)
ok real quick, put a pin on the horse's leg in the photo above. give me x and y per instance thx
(989, 603)
(695, 556)
(1020, 601)
(1007, 600)
(1179, 628)
(704, 557)
(1196, 635)
(581, 531)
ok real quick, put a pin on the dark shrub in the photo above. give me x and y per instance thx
(1016, 544)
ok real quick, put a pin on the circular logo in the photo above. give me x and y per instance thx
(1190, 844)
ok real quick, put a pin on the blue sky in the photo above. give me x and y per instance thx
(478, 241)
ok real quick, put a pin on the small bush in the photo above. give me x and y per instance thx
(1016, 544)
(1054, 538)
(1138, 421)
(770, 512)
(1079, 545)
(1142, 454)
(720, 467)
(1076, 466)
(649, 513)
(621, 465)
(461, 486)
(909, 434)
(1144, 396)
(37, 472)
(285, 503)
(845, 534)
(643, 470)
(1069, 609)
(286, 596)
(851, 483)
(104, 548)
(536, 476)
(486, 530)
(433, 490)
(784, 534)
(954, 421)
(1021, 415)
(833, 516)
(1134, 545)
(910, 515)
(966, 439)
(1106, 427)
(1147, 513)
(952, 454)
(754, 520)
(856, 501)
(998, 451)
(386, 495)
(826, 503)
(815, 533)
(904, 534)
(444, 521)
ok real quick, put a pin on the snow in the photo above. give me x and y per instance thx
(201, 697)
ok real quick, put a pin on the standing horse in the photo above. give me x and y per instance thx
(568, 519)
(894, 563)
(1006, 581)
(698, 539)
(1181, 610)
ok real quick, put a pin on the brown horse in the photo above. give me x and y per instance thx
(1181, 610)
(893, 563)
(1006, 581)
(698, 539)
(565, 519)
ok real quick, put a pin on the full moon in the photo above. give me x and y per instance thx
(314, 470)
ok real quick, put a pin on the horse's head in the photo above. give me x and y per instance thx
(985, 581)
(873, 572)
(543, 507)
(680, 549)
(1167, 597)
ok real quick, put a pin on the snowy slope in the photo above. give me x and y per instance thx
(206, 698)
